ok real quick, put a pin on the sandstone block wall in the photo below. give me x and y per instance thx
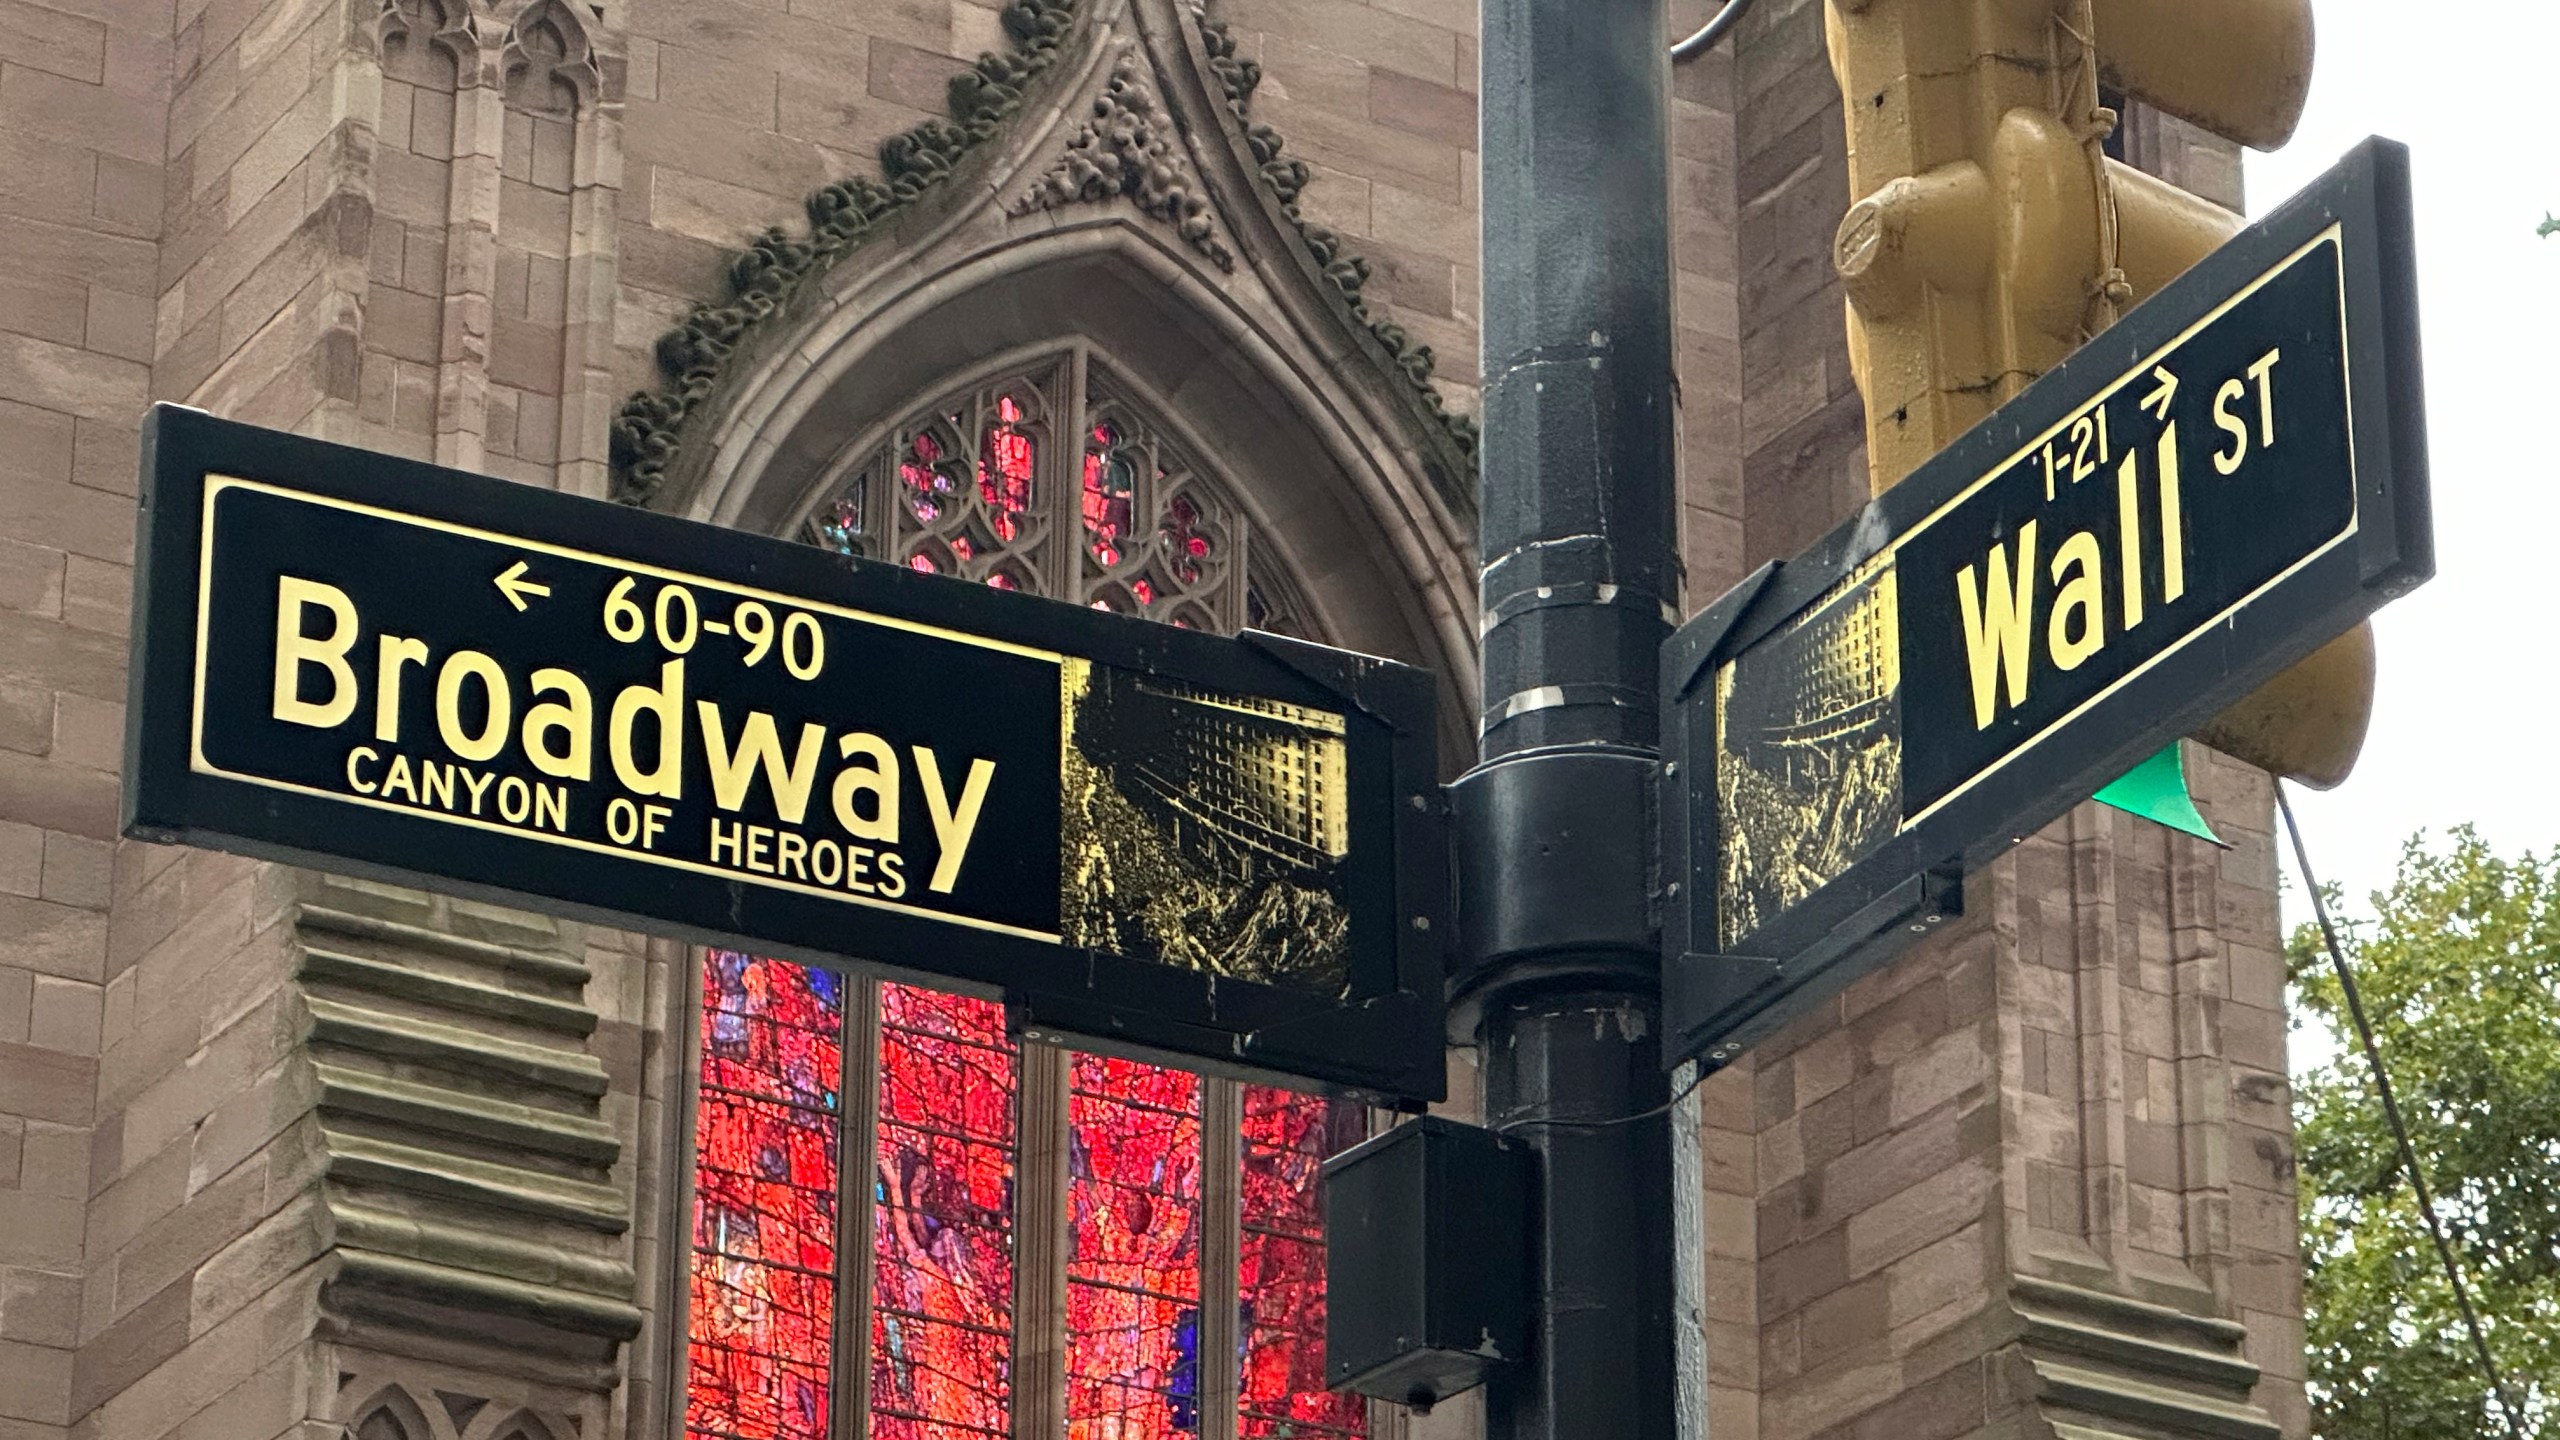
(455, 231)
(83, 105)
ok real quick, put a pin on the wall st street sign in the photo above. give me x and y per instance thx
(1222, 849)
(2227, 479)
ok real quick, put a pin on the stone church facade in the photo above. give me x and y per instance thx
(1167, 306)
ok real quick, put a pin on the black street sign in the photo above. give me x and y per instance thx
(2227, 479)
(1221, 849)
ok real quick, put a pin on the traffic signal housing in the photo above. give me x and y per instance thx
(1993, 235)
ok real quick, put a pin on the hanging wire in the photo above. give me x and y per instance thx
(1709, 33)
(2391, 1112)
(1614, 1121)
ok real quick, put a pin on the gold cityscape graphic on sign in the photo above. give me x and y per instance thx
(1204, 830)
(1809, 750)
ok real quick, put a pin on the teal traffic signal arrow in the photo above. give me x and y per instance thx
(2156, 790)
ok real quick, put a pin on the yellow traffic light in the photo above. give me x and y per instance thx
(1991, 234)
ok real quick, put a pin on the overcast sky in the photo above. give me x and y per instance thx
(2464, 728)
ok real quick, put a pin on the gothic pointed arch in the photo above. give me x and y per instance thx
(1049, 472)
(1340, 500)
(548, 64)
(389, 1410)
(428, 38)
(1147, 235)
(498, 1423)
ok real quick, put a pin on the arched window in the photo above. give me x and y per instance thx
(1053, 477)
(907, 1227)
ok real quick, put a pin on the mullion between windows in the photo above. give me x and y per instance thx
(1221, 1353)
(857, 1148)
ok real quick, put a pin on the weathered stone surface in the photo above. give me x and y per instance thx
(230, 1104)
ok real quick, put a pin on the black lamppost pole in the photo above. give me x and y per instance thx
(1559, 966)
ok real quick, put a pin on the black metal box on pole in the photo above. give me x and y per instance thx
(1426, 1261)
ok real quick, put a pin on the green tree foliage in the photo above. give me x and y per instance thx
(2459, 968)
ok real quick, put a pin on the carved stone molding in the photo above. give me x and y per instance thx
(2095, 1365)
(1132, 147)
(1285, 176)
(467, 1165)
(379, 1400)
(548, 63)
(455, 26)
(842, 217)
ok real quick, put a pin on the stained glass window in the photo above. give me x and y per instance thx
(942, 1219)
(1287, 1137)
(766, 1182)
(1050, 478)
(1155, 535)
(979, 485)
(1133, 1267)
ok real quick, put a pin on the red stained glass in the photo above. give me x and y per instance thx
(1006, 459)
(764, 1221)
(1287, 1137)
(1133, 1271)
(942, 1231)
(1186, 539)
(1110, 481)
(924, 474)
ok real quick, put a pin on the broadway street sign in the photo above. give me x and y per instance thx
(2228, 479)
(1224, 849)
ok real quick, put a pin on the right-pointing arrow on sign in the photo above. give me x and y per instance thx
(2157, 402)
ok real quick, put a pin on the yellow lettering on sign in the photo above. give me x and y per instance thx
(573, 716)
(2264, 373)
(877, 779)
(1997, 623)
(952, 824)
(2077, 628)
(396, 779)
(295, 650)
(728, 841)
(436, 782)
(2232, 426)
(2173, 520)
(390, 653)
(2129, 535)
(760, 746)
(459, 667)
(666, 705)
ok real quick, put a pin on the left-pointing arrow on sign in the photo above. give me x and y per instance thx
(513, 584)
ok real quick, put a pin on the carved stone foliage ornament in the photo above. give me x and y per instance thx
(1287, 176)
(1132, 147)
(842, 217)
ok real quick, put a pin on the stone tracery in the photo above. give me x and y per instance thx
(1133, 146)
(548, 64)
